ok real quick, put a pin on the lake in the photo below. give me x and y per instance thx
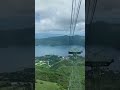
(55, 50)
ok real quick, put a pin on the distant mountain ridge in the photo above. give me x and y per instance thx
(17, 37)
(104, 34)
(61, 40)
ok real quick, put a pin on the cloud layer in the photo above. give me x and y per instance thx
(55, 15)
(17, 14)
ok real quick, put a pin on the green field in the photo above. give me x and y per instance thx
(45, 85)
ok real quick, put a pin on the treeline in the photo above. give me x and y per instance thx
(26, 75)
(61, 40)
(51, 58)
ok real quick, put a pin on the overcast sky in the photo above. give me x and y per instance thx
(54, 15)
(15, 14)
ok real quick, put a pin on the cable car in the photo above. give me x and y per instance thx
(74, 50)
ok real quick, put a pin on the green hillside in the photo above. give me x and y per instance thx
(45, 85)
(59, 73)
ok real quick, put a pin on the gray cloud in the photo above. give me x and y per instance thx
(17, 14)
(107, 10)
(13, 8)
(55, 15)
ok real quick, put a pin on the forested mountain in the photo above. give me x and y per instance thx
(103, 33)
(61, 40)
(17, 37)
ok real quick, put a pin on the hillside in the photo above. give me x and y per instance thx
(45, 85)
(57, 73)
(61, 40)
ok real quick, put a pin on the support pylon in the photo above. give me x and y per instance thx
(75, 82)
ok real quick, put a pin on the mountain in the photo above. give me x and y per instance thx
(103, 33)
(46, 35)
(17, 37)
(61, 40)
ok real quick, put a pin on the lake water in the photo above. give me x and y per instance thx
(55, 50)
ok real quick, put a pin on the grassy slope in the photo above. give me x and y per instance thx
(45, 85)
(63, 67)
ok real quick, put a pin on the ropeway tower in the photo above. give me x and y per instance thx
(74, 79)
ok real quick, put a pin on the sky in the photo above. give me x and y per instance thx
(20, 13)
(55, 15)
(106, 10)
(16, 14)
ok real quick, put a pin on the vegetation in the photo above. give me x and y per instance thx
(57, 74)
(60, 40)
(51, 58)
(45, 85)
(18, 80)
